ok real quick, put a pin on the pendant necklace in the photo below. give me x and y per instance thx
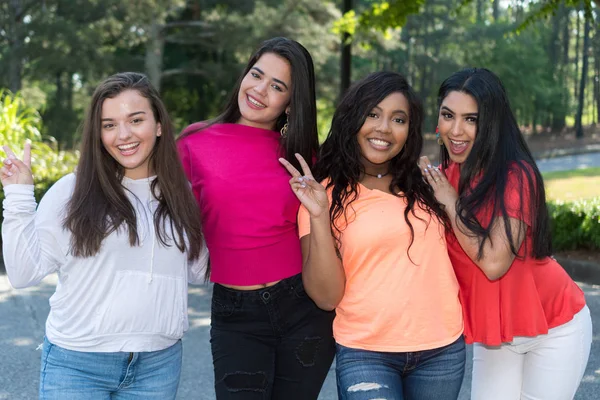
(378, 176)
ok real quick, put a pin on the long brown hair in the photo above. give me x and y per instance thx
(302, 134)
(99, 205)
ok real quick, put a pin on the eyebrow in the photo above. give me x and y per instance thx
(467, 114)
(129, 116)
(393, 112)
(275, 79)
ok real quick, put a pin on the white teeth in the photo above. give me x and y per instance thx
(256, 103)
(379, 142)
(456, 142)
(128, 146)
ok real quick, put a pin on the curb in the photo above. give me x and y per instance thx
(581, 271)
(590, 148)
(545, 155)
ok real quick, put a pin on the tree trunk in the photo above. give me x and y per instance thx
(479, 11)
(554, 44)
(597, 82)
(584, 67)
(15, 45)
(496, 10)
(577, 40)
(68, 137)
(154, 54)
(405, 37)
(346, 58)
(559, 117)
(597, 74)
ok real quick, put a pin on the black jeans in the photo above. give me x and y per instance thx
(272, 343)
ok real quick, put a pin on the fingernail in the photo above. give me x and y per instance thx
(425, 170)
(11, 157)
(300, 179)
(8, 162)
(9, 173)
(303, 185)
(429, 165)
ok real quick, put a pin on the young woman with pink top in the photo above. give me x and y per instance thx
(269, 340)
(528, 320)
(374, 250)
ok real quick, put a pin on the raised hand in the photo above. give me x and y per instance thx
(311, 193)
(442, 189)
(15, 171)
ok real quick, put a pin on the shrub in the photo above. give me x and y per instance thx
(575, 225)
(20, 122)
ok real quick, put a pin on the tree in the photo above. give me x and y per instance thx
(13, 15)
(584, 71)
(346, 48)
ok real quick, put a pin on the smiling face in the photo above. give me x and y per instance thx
(265, 91)
(384, 133)
(457, 123)
(129, 131)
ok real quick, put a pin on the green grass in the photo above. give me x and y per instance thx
(572, 185)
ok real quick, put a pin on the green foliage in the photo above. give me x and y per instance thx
(575, 225)
(20, 122)
(380, 16)
(548, 8)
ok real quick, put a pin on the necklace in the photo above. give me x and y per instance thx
(378, 176)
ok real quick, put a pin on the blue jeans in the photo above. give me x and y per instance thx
(76, 375)
(421, 375)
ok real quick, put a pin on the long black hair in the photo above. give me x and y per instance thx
(99, 205)
(302, 134)
(499, 149)
(340, 157)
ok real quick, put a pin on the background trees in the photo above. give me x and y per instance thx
(547, 52)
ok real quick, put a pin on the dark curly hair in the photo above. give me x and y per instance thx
(340, 156)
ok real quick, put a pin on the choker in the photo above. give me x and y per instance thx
(378, 176)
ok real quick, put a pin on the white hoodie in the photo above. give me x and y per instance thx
(124, 298)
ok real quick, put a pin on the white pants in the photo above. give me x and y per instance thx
(545, 367)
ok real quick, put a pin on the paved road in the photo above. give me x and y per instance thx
(23, 313)
(566, 163)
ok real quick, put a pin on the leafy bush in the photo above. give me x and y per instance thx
(20, 122)
(575, 225)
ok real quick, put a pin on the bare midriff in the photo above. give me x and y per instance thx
(251, 287)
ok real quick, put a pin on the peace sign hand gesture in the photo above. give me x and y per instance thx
(15, 171)
(311, 193)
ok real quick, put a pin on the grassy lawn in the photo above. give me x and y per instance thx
(572, 185)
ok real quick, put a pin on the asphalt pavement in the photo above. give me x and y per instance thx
(23, 314)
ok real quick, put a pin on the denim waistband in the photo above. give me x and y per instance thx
(281, 288)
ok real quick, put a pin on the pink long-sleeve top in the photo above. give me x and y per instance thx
(248, 209)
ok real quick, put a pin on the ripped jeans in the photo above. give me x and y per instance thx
(272, 343)
(435, 374)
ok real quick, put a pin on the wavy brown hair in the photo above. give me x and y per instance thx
(99, 205)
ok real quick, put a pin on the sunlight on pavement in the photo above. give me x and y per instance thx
(22, 342)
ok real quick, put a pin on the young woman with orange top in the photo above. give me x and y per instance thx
(374, 250)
